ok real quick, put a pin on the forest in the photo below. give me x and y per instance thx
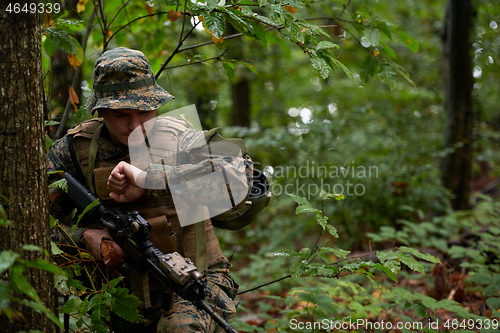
(376, 124)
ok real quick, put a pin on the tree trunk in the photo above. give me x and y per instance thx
(23, 179)
(240, 84)
(456, 167)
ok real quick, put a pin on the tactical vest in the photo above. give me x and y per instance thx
(196, 241)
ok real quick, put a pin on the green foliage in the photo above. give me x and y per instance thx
(467, 239)
(15, 288)
(92, 294)
(98, 306)
(325, 303)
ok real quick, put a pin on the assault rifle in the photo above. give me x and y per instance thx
(130, 231)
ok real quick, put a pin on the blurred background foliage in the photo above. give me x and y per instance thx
(377, 136)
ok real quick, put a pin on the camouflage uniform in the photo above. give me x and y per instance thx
(123, 79)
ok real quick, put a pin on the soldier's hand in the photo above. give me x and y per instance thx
(103, 247)
(126, 182)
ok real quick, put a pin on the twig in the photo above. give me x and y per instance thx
(265, 284)
(199, 62)
(177, 50)
(106, 42)
(134, 20)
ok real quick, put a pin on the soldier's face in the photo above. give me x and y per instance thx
(122, 122)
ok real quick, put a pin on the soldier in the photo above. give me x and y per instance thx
(96, 152)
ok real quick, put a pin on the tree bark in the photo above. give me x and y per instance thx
(23, 178)
(456, 167)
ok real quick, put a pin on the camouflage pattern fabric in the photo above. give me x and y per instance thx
(220, 292)
(186, 318)
(123, 79)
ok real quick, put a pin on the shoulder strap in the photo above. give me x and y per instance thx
(92, 158)
(72, 151)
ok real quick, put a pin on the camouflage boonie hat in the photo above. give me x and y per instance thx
(123, 79)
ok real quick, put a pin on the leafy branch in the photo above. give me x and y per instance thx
(388, 261)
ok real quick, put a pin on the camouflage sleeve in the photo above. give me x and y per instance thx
(204, 175)
(59, 159)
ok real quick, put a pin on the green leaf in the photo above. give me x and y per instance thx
(299, 268)
(305, 253)
(247, 65)
(369, 67)
(214, 23)
(211, 4)
(88, 208)
(39, 307)
(3, 216)
(5, 296)
(70, 25)
(292, 29)
(382, 26)
(304, 205)
(322, 220)
(410, 42)
(387, 75)
(332, 231)
(69, 306)
(7, 258)
(373, 36)
(63, 40)
(326, 45)
(125, 304)
(31, 247)
(403, 73)
(389, 260)
(61, 184)
(48, 45)
(239, 20)
(325, 195)
(387, 271)
(45, 265)
(229, 67)
(337, 252)
(418, 254)
(411, 262)
(99, 311)
(319, 64)
(266, 20)
(48, 141)
(20, 282)
(390, 52)
(51, 123)
(346, 70)
(493, 303)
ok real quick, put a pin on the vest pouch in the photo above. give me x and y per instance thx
(101, 176)
(162, 234)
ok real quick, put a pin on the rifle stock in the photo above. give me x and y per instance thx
(130, 230)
